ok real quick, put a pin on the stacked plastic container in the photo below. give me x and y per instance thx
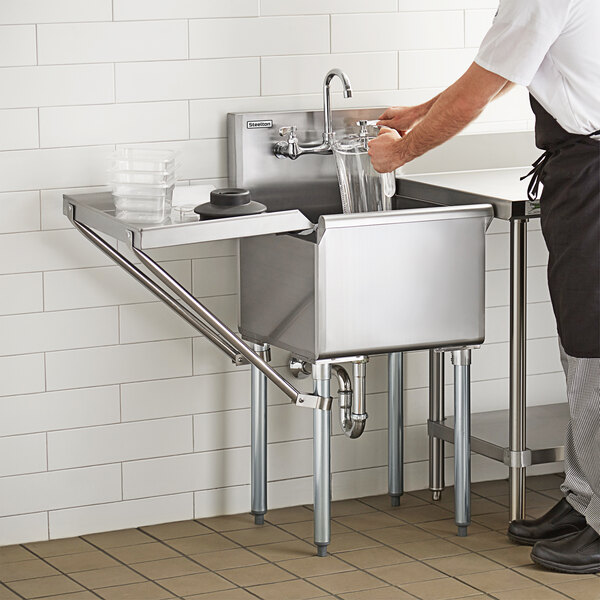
(142, 182)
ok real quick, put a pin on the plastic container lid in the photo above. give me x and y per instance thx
(143, 159)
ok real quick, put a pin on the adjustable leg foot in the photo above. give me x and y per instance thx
(436, 495)
(321, 550)
(462, 530)
(395, 500)
(259, 519)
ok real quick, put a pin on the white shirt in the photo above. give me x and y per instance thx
(553, 48)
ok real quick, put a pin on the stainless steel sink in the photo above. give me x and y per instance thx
(368, 284)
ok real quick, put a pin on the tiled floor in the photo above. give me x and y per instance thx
(377, 553)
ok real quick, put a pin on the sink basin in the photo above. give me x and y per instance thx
(368, 283)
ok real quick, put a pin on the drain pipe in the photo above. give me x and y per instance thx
(353, 403)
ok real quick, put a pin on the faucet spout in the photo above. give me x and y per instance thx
(347, 90)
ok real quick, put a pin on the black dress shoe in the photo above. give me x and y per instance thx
(557, 523)
(577, 553)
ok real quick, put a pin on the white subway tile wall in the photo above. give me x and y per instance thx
(113, 413)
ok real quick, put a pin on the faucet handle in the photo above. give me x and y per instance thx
(290, 129)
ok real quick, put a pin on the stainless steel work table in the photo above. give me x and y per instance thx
(515, 446)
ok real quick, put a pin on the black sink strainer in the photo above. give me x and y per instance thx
(229, 202)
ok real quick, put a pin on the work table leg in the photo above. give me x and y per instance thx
(395, 427)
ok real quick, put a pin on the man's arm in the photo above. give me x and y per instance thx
(449, 114)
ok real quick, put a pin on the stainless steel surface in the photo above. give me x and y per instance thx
(518, 362)
(185, 314)
(98, 212)
(292, 148)
(304, 400)
(461, 360)
(258, 444)
(501, 188)
(489, 437)
(395, 427)
(299, 368)
(353, 428)
(322, 461)
(315, 295)
(310, 184)
(437, 411)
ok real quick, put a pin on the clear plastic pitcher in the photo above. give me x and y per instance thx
(362, 188)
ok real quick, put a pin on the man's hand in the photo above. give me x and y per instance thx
(384, 151)
(401, 118)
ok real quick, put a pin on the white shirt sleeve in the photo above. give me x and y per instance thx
(522, 33)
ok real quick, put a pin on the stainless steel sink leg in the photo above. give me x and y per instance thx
(258, 410)
(436, 414)
(322, 461)
(395, 427)
(461, 360)
(518, 362)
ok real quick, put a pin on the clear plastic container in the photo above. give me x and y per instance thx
(139, 208)
(142, 159)
(362, 188)
(143, 177)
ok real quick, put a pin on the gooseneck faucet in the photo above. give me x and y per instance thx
(291, 148)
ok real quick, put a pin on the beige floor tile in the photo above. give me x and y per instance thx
(76, 596)
(497, 581)
(100, 578)
(168, 531)
(59, 547)
(556, 494)
(351, 541)
(403, 534)
(384, 503)
(228, 559)
(374, 557)
(6, 594)
(142, 553)
(15, 554)
(229, 522)
(290, 590)
(316, 565)
(85, 561)
(385, 593)
(188, 585)
(447, 528)
(585, 589)
(514, 556)
(45, 586)
(135, 591)
(365, 522)
(496, 521)
(440, 589)
(264, 534)
(25, 569)
(353, 581)
(422, 514)
(233, 594)
(197, 544)
(293, 514)
(484, 541)
(116, 539)
(285, 550)
(533, 593)
(491, 488)
(435, 548)
(483, 506)
(343, 508)
(168, 567)
(463, 565)
(545, 482)
(257, 575)
(551, 578)
(306, 530)
(406, 573)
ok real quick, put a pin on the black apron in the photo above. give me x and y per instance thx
(569, 170)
